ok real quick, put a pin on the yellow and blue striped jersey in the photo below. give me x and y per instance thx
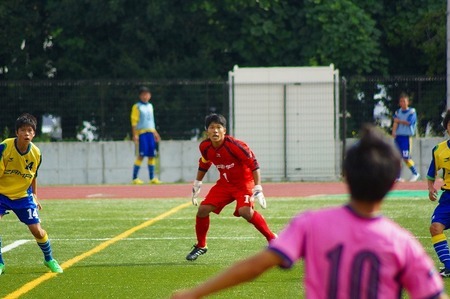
(441, 160)
(142, 117)
(17, 170)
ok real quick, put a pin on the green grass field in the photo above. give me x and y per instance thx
(150, 263)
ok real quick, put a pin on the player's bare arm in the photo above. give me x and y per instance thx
(35, 197)
(135, 134)
(257, 177)
(432, 191)
(394, 128)
(240, 272)
(157, 137)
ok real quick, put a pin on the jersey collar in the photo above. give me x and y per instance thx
(356, 214)
(17, 149)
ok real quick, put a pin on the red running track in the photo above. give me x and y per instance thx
(300, 189)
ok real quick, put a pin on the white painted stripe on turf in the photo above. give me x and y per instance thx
(154, 238)
(13, 245)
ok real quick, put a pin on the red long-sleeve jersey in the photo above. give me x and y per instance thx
(234, 160)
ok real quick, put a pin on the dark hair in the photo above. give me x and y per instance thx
(403, 95)
(26, 119)
(215, 118)
(143, 89)
(372, 165)
(446, 119)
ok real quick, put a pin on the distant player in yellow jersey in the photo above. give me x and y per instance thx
(19, 163)
(440, 220)
(144, 135)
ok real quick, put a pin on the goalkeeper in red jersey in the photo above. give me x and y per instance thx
(239, 181)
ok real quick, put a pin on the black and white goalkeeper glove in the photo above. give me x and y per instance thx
(259, 195)
(196, 191)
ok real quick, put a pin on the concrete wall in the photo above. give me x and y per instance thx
(179, 162)
(72, 163)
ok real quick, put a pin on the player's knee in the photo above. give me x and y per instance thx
(37, 231)
(436, 229)
(203, 211)
(246, 213)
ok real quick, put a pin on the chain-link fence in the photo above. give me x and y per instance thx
(100, 110)
(374, 100)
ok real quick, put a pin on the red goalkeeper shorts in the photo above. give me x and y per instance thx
(221, 195)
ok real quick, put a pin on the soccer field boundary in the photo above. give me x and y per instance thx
(183, 190)
(66, 265)
(14, 245)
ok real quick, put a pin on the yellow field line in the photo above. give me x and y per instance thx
(34, 283)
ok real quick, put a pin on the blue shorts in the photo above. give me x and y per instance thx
(147, 145)
(25, 208)
(441, 213)
(404, 145)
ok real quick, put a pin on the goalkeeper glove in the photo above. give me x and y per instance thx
(258, 194)
(196, 191)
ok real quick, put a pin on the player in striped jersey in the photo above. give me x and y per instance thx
(19, 163)
(440, 220)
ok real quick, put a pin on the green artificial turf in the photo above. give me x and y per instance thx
(151, 262)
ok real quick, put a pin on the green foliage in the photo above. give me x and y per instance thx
(5, 134)
(343, 34)
(415, 34)
(197, 39)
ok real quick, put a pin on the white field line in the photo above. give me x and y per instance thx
(153, 238)
(174, 238)
(13, 245)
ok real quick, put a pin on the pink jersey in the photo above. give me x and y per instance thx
(348, 256)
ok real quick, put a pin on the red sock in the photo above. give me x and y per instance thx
(260, 223)
(201, 229)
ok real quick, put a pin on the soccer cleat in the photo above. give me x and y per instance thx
(399, 180)
(53, 266)
(196, 252)
(2, 268)
(444, 272)
(414, 178)
(155, 181)
(138, 181)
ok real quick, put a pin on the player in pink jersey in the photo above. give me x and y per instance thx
(349, 251)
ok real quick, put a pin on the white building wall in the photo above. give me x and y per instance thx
(287, 116)
(73, 163)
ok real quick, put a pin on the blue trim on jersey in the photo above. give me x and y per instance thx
(2, 149)
(287, 262)
(21, 208)
(431, 174)
(147, 145)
